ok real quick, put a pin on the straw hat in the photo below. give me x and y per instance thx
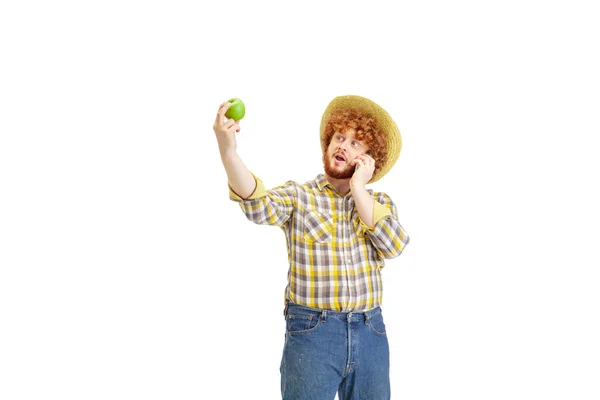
(385, 123)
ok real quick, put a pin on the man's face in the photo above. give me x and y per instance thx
(342, 150)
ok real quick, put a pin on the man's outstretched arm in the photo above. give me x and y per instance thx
(240, 179)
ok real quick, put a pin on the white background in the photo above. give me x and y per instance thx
(126, 272)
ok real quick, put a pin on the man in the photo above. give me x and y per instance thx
(338, 235)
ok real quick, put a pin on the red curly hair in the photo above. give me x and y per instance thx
(366, 131)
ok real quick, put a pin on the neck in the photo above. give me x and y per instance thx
(341, 185)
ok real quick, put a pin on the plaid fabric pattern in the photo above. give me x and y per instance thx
(335, 260)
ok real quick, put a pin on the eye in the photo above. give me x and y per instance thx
(356, 145)
(340, 138)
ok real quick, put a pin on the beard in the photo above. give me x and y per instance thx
(337, 173)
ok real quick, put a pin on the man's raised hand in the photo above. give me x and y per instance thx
(225, 129)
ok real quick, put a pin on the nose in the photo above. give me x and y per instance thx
(343, 145)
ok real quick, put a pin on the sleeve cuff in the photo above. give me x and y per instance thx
(379, 212)
(259, 191)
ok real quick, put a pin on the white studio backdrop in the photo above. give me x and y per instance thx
(126, 273)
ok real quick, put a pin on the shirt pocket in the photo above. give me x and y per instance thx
(318, 227)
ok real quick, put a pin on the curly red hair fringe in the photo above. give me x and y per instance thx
(366, 131)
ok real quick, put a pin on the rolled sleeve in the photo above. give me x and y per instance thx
(387, 235)
(259, 191)
(379, 212)
(268, 207)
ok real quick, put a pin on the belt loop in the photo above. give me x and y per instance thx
(367, 318)
(323, 315)
(285, 309)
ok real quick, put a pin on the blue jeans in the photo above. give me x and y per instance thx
(327, 352)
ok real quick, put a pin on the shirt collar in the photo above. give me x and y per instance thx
(322, 182)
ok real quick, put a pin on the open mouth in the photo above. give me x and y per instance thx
(339, 157)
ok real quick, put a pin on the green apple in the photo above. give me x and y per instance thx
(237, 109)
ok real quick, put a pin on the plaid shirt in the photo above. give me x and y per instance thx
(335, 259)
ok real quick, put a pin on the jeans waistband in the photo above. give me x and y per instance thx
(290, 308)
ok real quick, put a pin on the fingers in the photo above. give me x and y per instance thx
(364, 161)
(229, 123)
(221, 113)
(224, 107)
(231, 126)
(224, 125)
(233, 129)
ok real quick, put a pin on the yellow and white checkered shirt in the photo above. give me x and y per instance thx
(335, 259)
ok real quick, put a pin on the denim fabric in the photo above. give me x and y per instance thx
(327, 352)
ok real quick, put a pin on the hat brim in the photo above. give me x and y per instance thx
(384, 121)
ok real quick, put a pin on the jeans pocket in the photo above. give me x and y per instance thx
(376, 324)
(302, 323)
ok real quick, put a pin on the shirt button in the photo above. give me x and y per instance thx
(349, 261)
